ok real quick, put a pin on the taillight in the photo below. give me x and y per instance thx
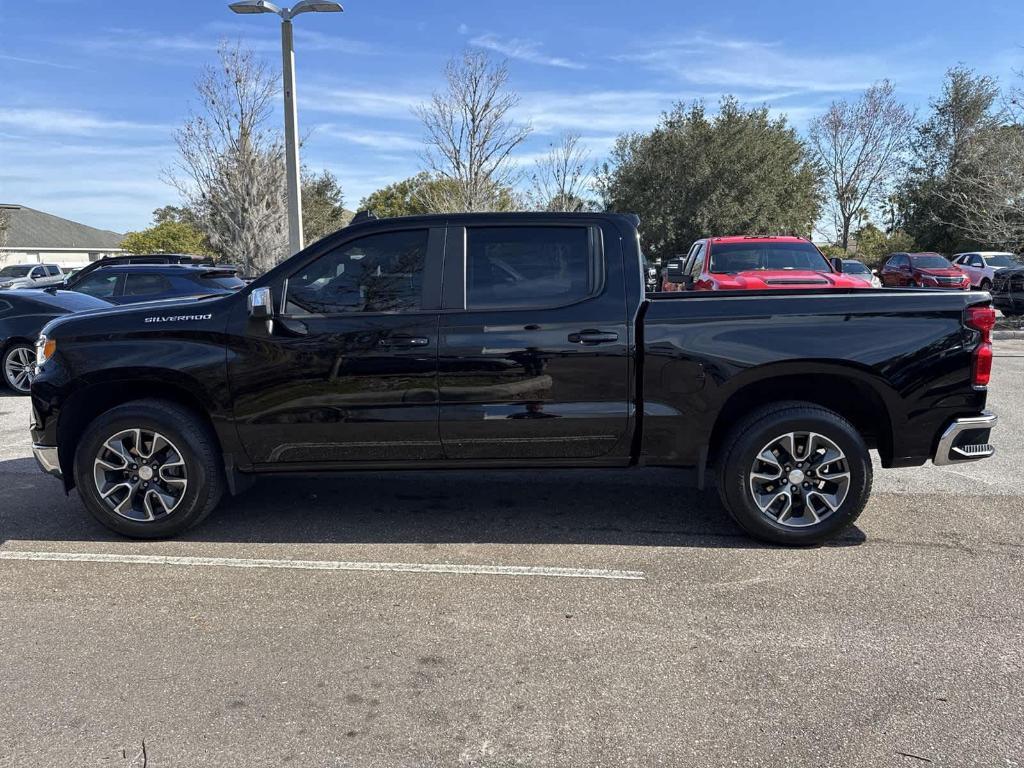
(983, 320)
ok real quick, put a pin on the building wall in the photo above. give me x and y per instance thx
(66, 257)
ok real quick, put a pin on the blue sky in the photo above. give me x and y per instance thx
(92, 91)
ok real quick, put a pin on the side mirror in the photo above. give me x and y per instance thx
(837, 263)
(261, 304)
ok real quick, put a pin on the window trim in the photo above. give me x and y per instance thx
(430, 280)
(699, 259)
(456, 273)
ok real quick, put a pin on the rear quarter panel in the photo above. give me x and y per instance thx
(910, 348)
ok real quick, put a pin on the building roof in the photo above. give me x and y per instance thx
(29, 228)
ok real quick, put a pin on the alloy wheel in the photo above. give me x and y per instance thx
(19, 368)
(140, 475)
(799, 479)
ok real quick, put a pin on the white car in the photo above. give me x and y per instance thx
(858, 269)
(981, 266)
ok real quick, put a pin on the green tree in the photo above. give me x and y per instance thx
(942, 150)
(738, 172)
(167, 237)
(417, 194)
(323, 205)
(874, 244)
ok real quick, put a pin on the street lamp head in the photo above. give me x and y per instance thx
(254, 6)
(319, 6)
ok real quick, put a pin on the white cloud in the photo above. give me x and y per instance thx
(35, 61)
(731, 63)
(523, 50)
(149, 46)
(377, 102)
(68, 122)
(382, 140)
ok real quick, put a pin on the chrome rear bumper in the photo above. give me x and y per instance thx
(46, 457)
(966, 439)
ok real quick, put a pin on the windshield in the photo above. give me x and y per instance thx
(730, 258)
(855, 268)
(1003, 260)
(930, 261)
(19, 270)
(232, 283)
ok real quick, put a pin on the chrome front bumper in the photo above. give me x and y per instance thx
(966, 440)
(46, 457)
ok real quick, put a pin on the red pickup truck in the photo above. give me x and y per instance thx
(755, 263)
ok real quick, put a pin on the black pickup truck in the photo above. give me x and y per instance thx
(509, 341)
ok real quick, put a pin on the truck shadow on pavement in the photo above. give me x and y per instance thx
(607, 507)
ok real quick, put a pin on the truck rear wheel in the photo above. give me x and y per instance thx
(795, 473)
(149, 469)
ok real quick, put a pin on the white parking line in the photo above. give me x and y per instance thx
(324, 565)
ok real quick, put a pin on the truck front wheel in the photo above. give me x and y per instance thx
(794, 473)
(149, 469)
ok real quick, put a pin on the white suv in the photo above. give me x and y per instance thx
(981, 266)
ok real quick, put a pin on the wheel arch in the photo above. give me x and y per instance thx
(92, 400)
(847, 391)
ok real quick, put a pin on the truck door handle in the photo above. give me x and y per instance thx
(404, 341)
(593, 337)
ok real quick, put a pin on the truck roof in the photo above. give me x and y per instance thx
(758, 239)
(497, 217)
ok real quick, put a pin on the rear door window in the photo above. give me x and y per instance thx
(530, 266)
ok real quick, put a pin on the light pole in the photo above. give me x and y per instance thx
(291, 141)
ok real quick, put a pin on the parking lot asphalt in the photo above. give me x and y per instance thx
(900, 644)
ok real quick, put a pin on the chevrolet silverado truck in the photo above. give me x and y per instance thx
(509, 341)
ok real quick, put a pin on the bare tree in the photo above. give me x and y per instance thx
(231, 165)
(987, 191)
(860, 148)
(4, 225)
(470, 136)
(563, 177)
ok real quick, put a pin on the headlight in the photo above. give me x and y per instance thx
(44, 349)
(8, 284)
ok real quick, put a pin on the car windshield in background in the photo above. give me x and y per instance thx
(730, 258)
(1004, 260)
(855, 268)
(931, 261)
(225, 282)
(16, 271)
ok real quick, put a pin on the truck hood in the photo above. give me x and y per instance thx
(762, 279)
(143, 314)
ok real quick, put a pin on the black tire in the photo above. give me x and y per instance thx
(986, 285)
(190, 436)
(756, 431)
(18, 348)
